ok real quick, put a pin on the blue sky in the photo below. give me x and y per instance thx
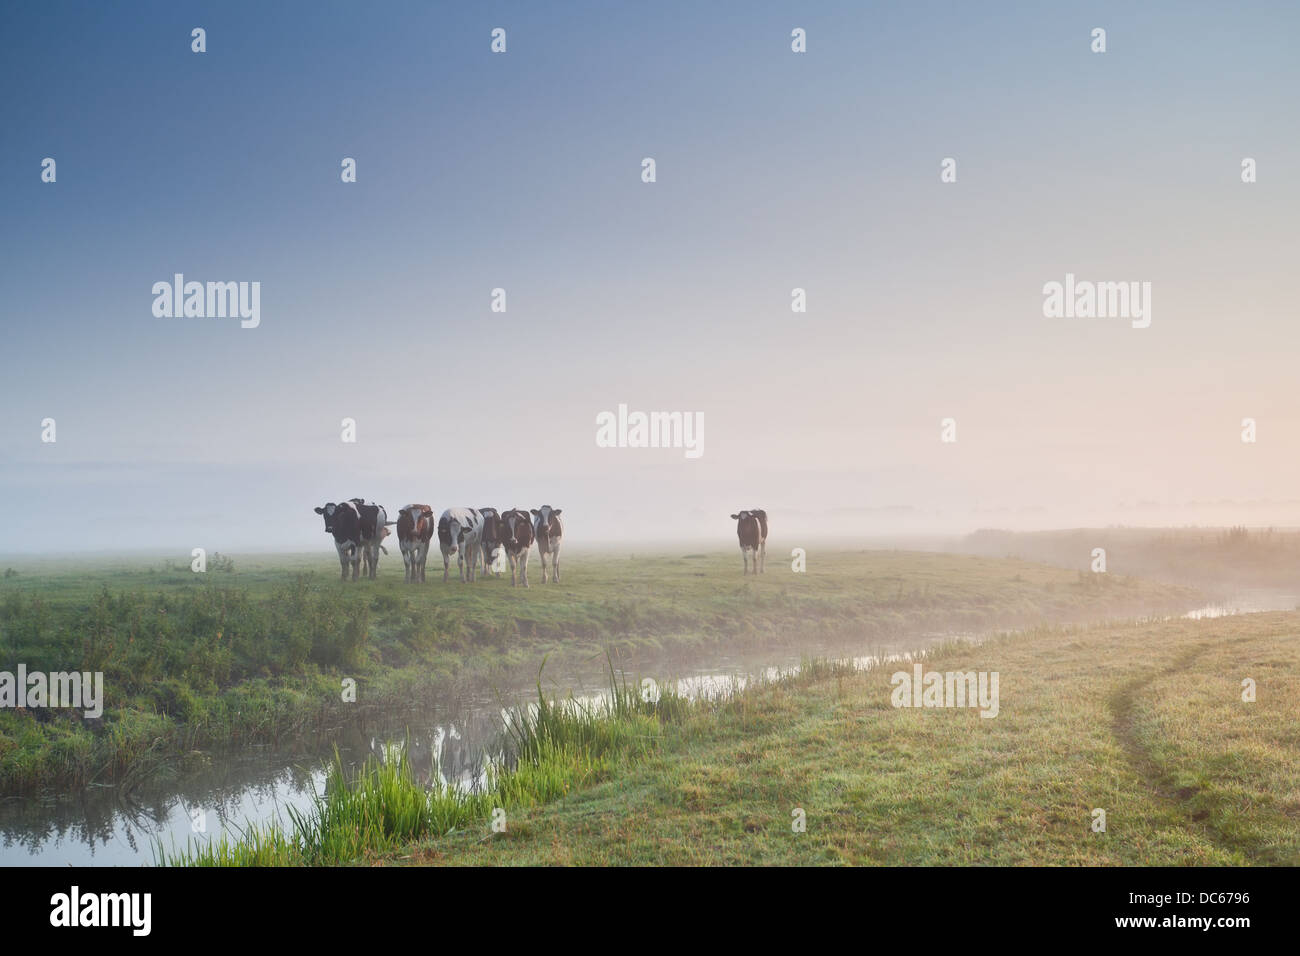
(522, 171)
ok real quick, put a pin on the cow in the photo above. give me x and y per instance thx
(548, 528)
(517, 540)
(761, 515)
(414, 532)
(751, 529)
(491, 539)
(460, 532)
(374, 528)
(343, 521)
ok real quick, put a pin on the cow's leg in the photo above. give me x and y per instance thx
(523, 567)
(555, 565)
(343, 562)
(446, 562)
(762, 550)
(541, 556)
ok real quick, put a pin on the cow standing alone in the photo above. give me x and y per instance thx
(751, 529)
(549, 530)
(761, 515)
(414, 532)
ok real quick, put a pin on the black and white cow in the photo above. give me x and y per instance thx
(460, 532)
(414, 532)
(548, 528)
(374, 528)
(517, 540)
(490, 541)
(343, 521)
(751, 529)
(761, 515)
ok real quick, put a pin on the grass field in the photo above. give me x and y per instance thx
(1143, 721)
(254, 650)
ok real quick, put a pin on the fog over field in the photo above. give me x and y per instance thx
(522, 172)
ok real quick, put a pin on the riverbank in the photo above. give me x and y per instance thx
(258, 652)
(1144, 721)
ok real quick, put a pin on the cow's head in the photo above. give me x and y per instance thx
(516, 529)
(545, 513)
(410, 516)
(747, 527)
(327, 511)
(451, 533)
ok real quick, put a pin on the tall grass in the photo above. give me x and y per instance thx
(549, 749)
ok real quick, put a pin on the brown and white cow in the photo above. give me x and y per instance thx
(516, 535)
(414, 532)
(751, 529)
(548, 528)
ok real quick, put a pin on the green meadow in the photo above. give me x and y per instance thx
(255, 649)
(1144, 721)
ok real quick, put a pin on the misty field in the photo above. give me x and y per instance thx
(255, 650)
(1145, 721)
(1221, 559)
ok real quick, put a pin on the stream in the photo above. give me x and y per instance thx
(450, 738)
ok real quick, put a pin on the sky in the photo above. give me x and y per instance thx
(522, 170)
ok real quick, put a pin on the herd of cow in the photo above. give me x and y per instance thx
(479, 538)
(475, 536)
